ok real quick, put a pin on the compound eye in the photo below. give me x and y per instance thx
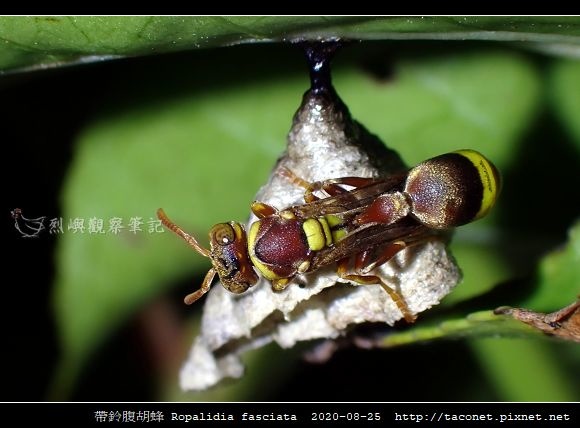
(222, 234)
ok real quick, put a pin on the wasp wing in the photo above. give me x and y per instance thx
(350, 202)
(371, 236)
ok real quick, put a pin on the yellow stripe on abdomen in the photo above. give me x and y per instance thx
(489, 177)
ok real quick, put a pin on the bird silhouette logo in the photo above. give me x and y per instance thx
(28, 227)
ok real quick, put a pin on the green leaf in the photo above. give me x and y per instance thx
(558, 278)
(202, 153)
(507, 362)
(556, 286)
(565, 79)
(433, 106)
(526, 370)
(44, 41)
(182, 155)
(478, 324)
(482, 268)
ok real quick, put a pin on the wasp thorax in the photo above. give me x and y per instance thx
(452, 189)
(229, 255)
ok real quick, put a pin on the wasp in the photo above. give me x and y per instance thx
(359, 221)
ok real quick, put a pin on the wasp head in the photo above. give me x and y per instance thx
(229, 257)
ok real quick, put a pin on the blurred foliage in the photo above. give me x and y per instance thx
(199, 136)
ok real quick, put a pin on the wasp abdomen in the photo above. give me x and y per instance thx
(452, 189)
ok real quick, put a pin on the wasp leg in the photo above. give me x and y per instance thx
(372, 280)
(300, 182)
(331, 186)
(261, 210)
(293, 178)
(367, 260)
(280, 284)
(192, 297)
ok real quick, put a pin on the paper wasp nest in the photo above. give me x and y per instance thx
(324, 142)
